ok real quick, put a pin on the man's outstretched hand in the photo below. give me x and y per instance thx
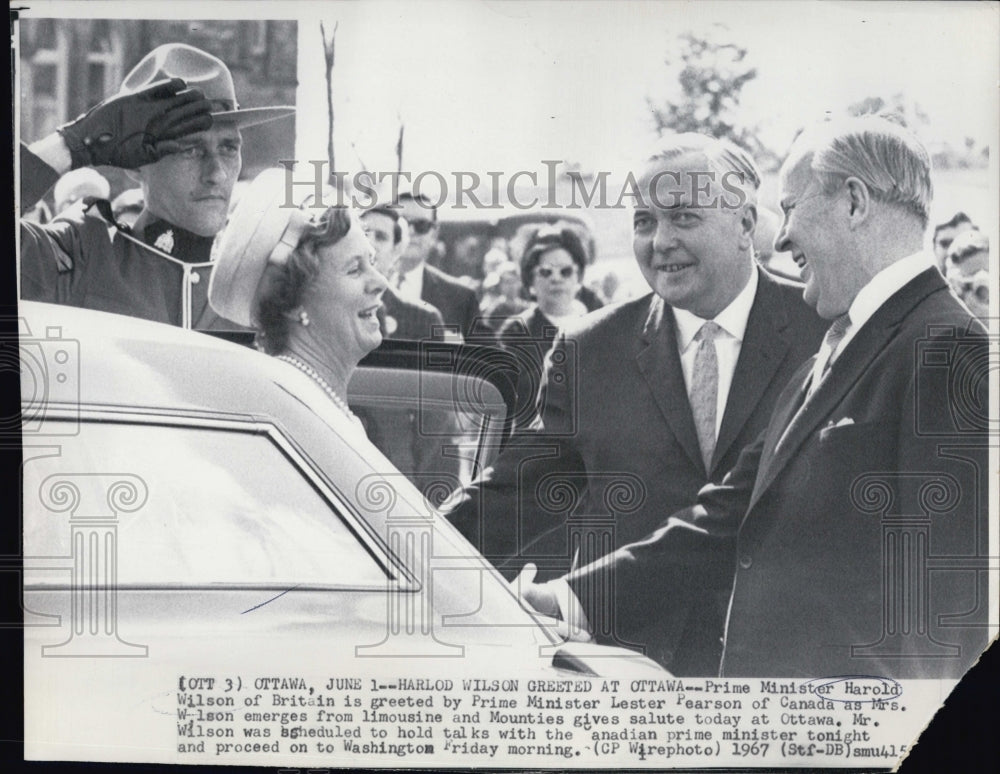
(126, 130)
(537, 595)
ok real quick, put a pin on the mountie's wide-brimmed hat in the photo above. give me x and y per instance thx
(261, 231)
(199, 70)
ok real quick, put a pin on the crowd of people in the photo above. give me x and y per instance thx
(719, 425)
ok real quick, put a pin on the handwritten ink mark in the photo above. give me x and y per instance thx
(269, 601)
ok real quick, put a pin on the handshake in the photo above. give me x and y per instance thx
(554, 601)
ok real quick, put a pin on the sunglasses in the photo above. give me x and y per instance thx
(565, 272)
(420, 226)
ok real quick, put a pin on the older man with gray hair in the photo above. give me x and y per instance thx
(872, 470)
(643, 403)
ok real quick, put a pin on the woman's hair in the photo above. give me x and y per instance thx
(284, 286)
(549, 238)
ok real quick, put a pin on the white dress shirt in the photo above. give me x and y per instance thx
(410, 285)
(733, 322)
(879, 289)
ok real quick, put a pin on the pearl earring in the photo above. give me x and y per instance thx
(304, 318)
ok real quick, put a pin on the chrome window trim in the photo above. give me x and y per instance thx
(398, 576)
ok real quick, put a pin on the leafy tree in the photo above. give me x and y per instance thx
(944, 155)
(710, 72)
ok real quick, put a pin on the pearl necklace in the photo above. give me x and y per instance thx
(311, 372)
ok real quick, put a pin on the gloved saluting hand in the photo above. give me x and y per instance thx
(125, 130)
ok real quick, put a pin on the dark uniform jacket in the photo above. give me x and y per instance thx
(79, 260)
(402, 319)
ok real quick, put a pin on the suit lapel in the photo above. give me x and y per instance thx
(387, 310)
(765, 344)
(540, 327)
(660, 365)
(427, 287)
(788, 405)
(849, 367)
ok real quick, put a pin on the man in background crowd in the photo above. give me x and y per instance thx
(944, 235)
(176, 126)
(967, 270)
(502, 295)
(643, 403)
(399, 318)
(415, 442)
(417, 280)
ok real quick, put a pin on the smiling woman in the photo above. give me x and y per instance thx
(306, 281)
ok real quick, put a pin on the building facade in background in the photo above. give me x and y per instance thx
(69, 65)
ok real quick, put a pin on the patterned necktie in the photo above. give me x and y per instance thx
(705, 390)
(835, 335)
(831, 343)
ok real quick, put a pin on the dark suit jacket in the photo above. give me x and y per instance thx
(528, 336)
(858, 542)
(616, 450)
(409, 320)
(589, 298)
(456, 302)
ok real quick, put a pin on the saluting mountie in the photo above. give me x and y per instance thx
(175, 125)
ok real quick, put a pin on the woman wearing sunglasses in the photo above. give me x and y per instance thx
(552, 273)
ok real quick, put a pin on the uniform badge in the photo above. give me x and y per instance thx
(165, 241)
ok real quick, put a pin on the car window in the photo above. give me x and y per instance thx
(440, 413)
(435, 448)
(190, 506)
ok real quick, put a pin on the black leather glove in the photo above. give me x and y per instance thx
(124, 131)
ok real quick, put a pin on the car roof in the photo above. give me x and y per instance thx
(125, 361)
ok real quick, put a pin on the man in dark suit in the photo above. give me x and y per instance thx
(855, 527)
(398, 318)
(620, 441)
(415, 279)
